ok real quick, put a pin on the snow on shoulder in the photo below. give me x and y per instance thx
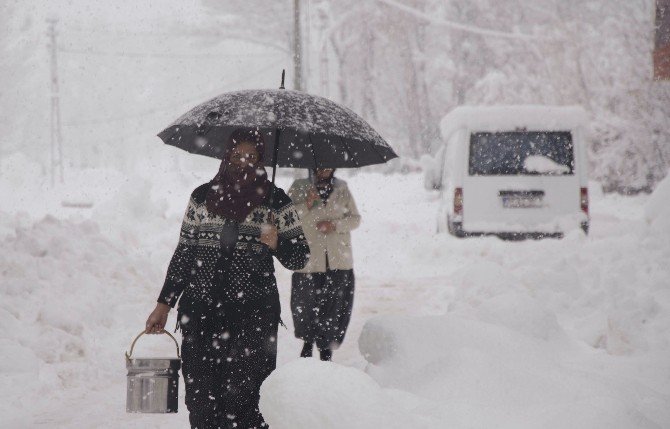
(508, 118)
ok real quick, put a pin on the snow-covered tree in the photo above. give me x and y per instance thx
(403, 64)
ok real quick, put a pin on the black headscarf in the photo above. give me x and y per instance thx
(234, 193)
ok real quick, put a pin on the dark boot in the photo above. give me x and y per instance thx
(326, 354)
(307, 349)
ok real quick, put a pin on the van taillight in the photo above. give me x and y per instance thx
(458, 201)
(584, 199)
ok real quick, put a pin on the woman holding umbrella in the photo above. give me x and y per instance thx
(229, 308)
(223, 270)
(323, 291)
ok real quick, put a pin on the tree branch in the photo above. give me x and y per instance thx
(463, 27)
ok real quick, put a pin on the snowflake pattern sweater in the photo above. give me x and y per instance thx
(248, 280)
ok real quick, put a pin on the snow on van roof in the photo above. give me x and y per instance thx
(509, 118)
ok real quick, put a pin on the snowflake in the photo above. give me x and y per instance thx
(289, 219)
(191, 213)
(258, 217)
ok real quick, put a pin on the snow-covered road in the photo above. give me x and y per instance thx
(591, 314)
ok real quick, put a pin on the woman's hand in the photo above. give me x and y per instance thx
(325, 226)
(269, 235)
(312, 197)
(157, 319)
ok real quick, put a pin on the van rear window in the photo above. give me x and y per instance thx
(521, 153)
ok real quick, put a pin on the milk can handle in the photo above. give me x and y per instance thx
(132, 346)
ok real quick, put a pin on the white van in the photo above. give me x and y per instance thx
(513, 171)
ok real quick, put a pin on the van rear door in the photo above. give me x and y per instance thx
(520, 181)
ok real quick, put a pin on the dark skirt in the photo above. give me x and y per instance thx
(224, 362)
(321, 305)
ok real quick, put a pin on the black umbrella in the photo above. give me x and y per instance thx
(304, 131)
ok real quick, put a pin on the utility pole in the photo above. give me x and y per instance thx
(323, 22)
(56, 135)
(297, 47)
(306, 44)
(323, 71)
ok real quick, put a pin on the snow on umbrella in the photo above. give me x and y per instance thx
(300, 130)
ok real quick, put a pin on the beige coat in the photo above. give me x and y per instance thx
(341, 210)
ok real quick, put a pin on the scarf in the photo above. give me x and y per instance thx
(324, 186)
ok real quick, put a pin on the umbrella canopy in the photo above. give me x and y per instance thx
(300, 130)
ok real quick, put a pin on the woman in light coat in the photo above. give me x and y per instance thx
(322, 295)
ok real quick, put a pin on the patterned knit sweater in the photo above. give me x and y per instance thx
(249, 279)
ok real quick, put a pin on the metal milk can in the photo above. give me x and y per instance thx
(153, 383)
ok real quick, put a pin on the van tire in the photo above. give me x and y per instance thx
(456, 229)
(585, 227)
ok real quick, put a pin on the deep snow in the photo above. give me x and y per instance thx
(455, 333)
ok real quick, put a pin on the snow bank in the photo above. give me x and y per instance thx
(657, 209)
(25, 186)
(411, 344)
(433, 169)
(106, 193)
(309, 394)
(72, 300)
(488, 374)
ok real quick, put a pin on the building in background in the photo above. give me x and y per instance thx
(662, 41)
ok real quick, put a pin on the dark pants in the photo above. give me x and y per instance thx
(321, 305)
(224, 364)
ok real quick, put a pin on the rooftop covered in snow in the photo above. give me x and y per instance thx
(511, 117)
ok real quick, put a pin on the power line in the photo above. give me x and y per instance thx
(211, 56)
(464, 27)
(202, 34)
